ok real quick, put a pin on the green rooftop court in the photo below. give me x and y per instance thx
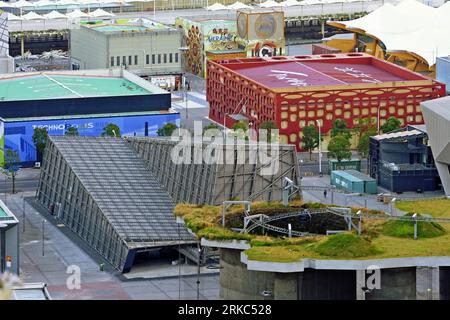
(51, 86)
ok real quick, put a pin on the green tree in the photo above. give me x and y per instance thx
(167, 130)
(339, 148)
(71, 131)
(11, 166)
(40, 136)
(240, 129)
(340, 128)
(210, 126)
(364, 142)
(391, 124)
(269, 126)
(111, 130)
(364, 125)
(310, 138)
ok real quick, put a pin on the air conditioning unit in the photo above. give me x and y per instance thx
(37, 164)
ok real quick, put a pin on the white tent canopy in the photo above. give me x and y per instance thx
(238, 5)
(55, 15)
(77, 14)
(290, 3)
(270, 4)
(410, 26)
(13, 17)
(66, 3)
(44, 3)
(5, 5)
(216, 7)
(23, 4)
(32, 16)
(100, 13)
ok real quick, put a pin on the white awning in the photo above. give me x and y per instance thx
(290, 3)
(216, 7)
(238, 5)
(23, 4)
(32, 16)
(13, 17)
(270, 4)
(101, 13)
(55, 15)
(77, 14)
(5, 5)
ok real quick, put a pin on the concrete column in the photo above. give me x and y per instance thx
(360, 283)
(427, 283)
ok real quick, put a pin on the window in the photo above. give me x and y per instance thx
(153, 59)
(124, 60)
(170, 58)
(135, 60)
(159, 58)
(129, 60)
(147, 59)
(165, 57)
(118, 61)
(112, 61)
(176, 57)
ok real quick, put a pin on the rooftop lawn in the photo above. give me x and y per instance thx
(435, 207)
(379, 239)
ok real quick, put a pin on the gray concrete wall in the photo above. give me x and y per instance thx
(88, 48)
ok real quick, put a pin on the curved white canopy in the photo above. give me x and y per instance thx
(238, 5)
(55, 15)
(410, 26)
(101, 13)
(270, 4)
(216, 7)
(66, 3)
(44, 3)
(32, 16)
(310, 2)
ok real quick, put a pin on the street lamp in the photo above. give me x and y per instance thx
(320, 148)
(183, 51)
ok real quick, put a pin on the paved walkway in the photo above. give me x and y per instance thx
(61, 251)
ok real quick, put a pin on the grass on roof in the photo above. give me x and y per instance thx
(379, 239)
(434, 207)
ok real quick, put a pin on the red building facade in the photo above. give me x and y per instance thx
(295, 92)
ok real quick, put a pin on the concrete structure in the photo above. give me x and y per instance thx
(437, 119)
(414, 278)
(143, 47)
(6, 62)
(118, 195)
(294, 92)
(402, 161)
(87, 100)
(9, 241)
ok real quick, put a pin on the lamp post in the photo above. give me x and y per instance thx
(183, 51)
(320, 148)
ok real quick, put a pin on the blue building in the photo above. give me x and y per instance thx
(87, 100)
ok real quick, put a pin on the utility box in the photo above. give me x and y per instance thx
(347, 182)
(352, 164)
(370, 184)
(9, 241)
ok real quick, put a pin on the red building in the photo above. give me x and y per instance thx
(296, 91)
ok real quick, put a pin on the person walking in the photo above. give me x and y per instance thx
(325, 193)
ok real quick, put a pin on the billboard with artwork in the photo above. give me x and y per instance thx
(18, 135)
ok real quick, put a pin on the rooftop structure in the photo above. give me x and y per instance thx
(9, 241)
(298, 91)
(146, 47)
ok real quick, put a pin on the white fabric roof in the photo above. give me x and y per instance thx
(290, 3)
(238, 5)
(270, 4)
(23, 4)
(216, 7)
(55, 15)
(5, 5)
(32, 16)
(101, 13)
(410, 26)
(13, 17)
(44, 3)
(77, 14)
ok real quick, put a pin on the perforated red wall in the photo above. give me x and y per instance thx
(293, 107)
